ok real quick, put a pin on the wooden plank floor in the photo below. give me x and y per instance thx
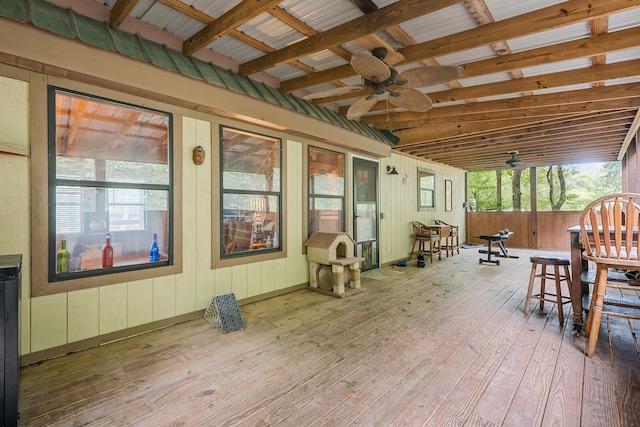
(447, 345)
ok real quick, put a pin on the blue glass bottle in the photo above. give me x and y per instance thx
(154, 253)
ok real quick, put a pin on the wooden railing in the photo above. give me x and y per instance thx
(548, 232)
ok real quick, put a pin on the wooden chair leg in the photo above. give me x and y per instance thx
(413, 248)
(532, 278)
(556, 271)
(597, 312)
(543, 285)
(587, 329)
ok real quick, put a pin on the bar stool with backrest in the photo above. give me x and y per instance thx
(544, 294)
(453, 240)
(609, 232)
(424, 236)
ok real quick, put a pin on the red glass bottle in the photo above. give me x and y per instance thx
(107, 253)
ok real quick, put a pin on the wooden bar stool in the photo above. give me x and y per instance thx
(543, 296)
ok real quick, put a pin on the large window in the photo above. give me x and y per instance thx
(251, 193)
(426, 190)
(326, 190)
(110, 186)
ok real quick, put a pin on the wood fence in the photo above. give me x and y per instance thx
(535, 230)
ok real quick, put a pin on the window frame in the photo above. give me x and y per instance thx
(312, 195)
(222, 259)
(422, 207)
(41, 229)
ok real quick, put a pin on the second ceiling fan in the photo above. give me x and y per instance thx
(400, 87)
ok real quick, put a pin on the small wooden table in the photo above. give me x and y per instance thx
(499, 239)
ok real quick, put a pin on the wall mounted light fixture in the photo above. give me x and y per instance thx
(391, 170)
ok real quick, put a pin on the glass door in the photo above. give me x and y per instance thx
(365, 219)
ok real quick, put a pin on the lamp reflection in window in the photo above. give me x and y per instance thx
(259, 205)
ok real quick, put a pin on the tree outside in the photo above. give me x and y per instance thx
(559, 188)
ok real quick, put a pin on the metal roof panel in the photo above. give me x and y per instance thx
(556, 67)
(323, 60)
(322, 15)
(443, 22)
(215, 8)
(235, 49)
(550, 37)
(622, 20)
(271, 31)
(503, 9)
(623, 55)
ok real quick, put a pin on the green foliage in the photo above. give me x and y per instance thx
(584, 183)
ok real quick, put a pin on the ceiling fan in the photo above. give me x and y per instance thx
(513, 161)
(400, 87)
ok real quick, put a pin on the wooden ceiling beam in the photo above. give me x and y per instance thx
(626, 94)
(236, 16)
(496, 159)
(422, 135)
(533, 136)
(575, 49)
(119, 11)
(526, 148)
(515, 143)
(562, 14)
(546, 81)
(542, 113)
(393, 14)
(365, 6)
(290, 20)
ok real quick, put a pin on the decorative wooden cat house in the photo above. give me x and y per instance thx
(328, 255)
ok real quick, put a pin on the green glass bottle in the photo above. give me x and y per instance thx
(63, 258)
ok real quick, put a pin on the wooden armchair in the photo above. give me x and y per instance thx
(453, 240)
(609, 229)
(423, 236)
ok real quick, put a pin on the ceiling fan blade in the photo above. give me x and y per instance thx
(410, 99)
(428, 76)
(333, 92)
(370, 67)
(361, 106)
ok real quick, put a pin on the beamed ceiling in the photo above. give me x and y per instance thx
(557, 81)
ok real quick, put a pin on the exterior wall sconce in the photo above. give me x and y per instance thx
(391, 170)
